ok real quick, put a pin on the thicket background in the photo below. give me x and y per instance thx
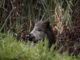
(21, 13)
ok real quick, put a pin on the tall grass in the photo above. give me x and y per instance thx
(33, 10)
(11, 49)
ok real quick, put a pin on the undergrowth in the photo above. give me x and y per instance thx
(11, 49)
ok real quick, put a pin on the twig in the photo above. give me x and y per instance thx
(3, 3)
(12, 3)
(50, 17)
(43, 16)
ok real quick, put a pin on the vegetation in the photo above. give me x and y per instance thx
(11, 49)
(20, 14)
(17, 18)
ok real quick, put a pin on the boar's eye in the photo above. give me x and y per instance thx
(39, 29)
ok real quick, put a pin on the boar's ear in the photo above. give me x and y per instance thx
(36, 21)
(47, 23)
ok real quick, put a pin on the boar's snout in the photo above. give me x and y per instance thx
(30, 37)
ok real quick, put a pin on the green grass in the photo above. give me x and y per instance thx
(11, 49)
